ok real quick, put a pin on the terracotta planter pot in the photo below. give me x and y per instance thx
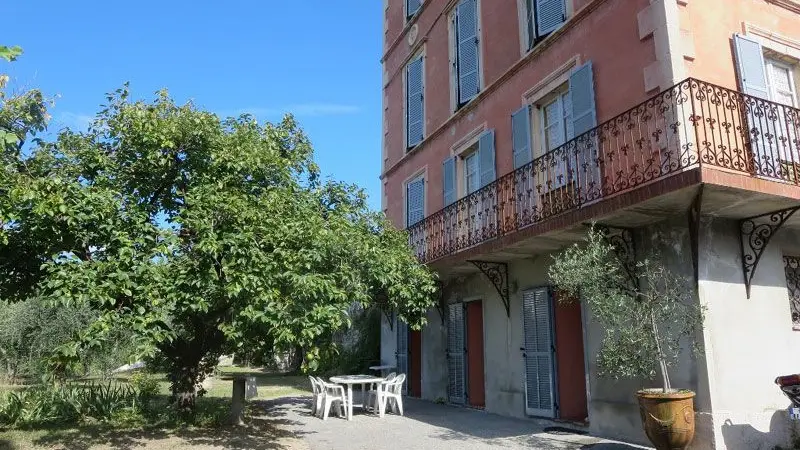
(668, 418)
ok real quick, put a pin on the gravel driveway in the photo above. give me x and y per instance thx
(428, 425)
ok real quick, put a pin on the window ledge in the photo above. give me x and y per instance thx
(791, 5)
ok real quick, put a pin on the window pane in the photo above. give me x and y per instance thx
(781, 78)
(471, 173)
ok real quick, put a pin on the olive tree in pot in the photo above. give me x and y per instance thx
(647, 326)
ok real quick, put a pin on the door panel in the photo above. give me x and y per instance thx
(455, 353)
(415, 363)
(538, 353)
(570, 361)
(402, 350)
(476, 394)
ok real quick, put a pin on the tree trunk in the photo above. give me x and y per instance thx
(297, 359)
(184, 387)
(662, 363)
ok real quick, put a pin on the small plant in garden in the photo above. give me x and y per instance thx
(67, 404)
(645, 327)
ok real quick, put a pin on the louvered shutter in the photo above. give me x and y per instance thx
(402, 349)
(550, 14)
(486, 157)
(581, 96)
(750, 65)
(521, 136)
(449, 180)
(412, 6)
(753, 81)
(415, 199)
(455, 353)
(415, 102)
(538, 353)
(467, 51)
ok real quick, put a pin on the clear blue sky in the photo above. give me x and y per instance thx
(317, 58)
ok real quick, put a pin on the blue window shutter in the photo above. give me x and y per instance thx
(550, 14)
(467, 50)
(415, 102)
(521, 136)
(449, 180)
(486, 157)
(581, 92)
(415, 201)
(750, 65)
(412, 6)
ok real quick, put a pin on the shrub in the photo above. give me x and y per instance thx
(647, 324)
(67, 404)
(145, 384)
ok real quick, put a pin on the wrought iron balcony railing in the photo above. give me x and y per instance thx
(690, 124)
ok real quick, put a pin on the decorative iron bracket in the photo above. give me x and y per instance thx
(621, 239)
(694, 231)
(497, 273)
(754, 239)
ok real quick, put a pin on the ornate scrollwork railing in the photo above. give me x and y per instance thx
(690, 124)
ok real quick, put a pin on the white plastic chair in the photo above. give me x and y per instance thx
(318, 394)
(392, 392)
(333, 395)
(372, 394)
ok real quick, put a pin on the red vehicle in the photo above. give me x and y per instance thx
(790, 385)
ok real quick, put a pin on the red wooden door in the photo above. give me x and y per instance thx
(570, 360)
(476, 394)
(415, 363)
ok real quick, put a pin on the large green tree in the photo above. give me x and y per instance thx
(202, 235)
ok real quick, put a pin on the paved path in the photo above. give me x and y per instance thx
(428, 425)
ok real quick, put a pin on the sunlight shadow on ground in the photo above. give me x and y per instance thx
(262, 432)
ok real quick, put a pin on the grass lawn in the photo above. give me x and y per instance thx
(261, 432)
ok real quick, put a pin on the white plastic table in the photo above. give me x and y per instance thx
(349, 381)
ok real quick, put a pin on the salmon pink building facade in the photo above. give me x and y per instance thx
(509, 125)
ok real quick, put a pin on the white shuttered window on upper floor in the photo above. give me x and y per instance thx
(467, 50)
(415, 102)
(542, 17)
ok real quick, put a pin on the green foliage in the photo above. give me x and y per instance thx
(30, 329)
(10, 53)
(199, 235)
(355, 349)
(145, 384)
(66, 404)
(645, 328)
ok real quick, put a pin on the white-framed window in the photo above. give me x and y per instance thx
(472, 173)
(412, 6)
(541, 128)
(781, 82)
(465, 51)
(773, 139)
(557, 120)
(415, 200)
(540, 18)
(555, 116)
(415, 101)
